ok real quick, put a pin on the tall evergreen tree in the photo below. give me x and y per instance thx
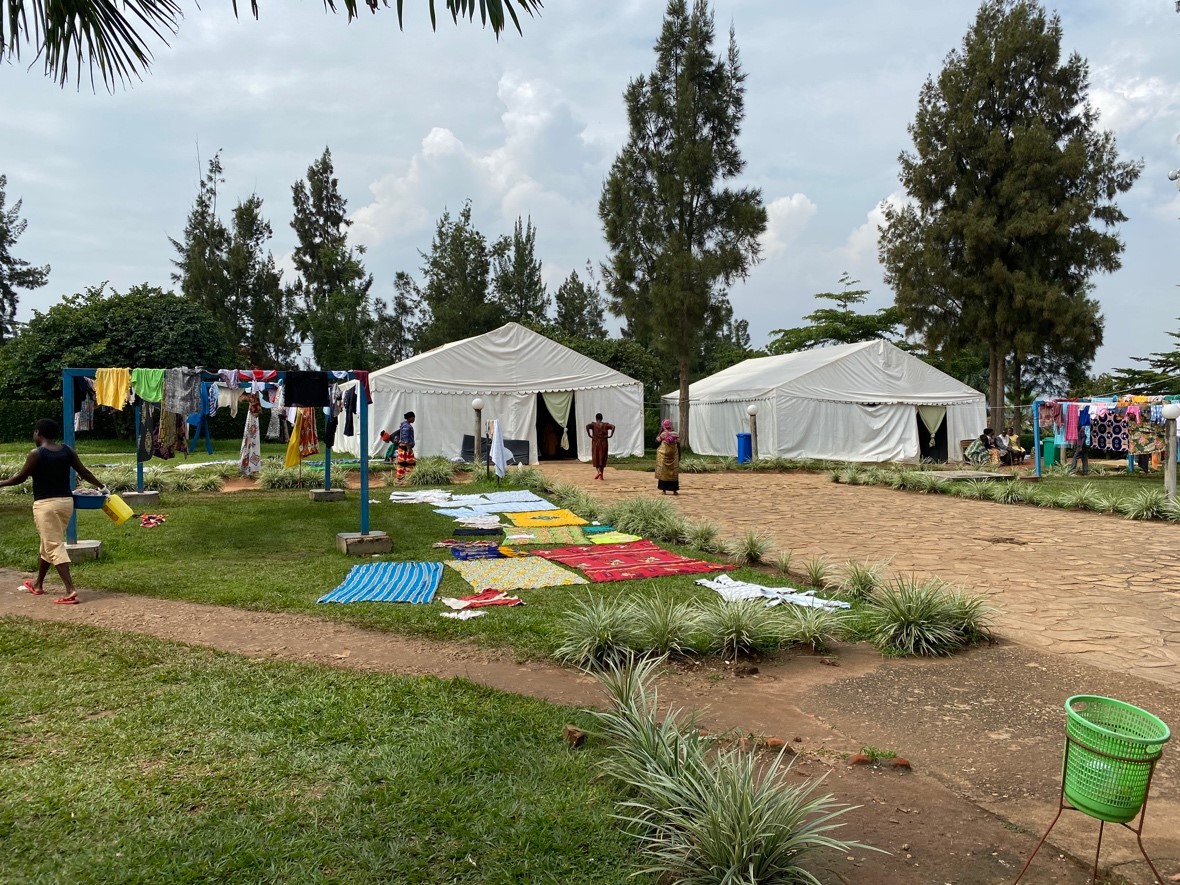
(516, 276)
(201, 256)
(1012, 190)
(331, 294)
(579, 306)
(456, 299)
(678, 235)
(396, 324)
(15, 273)
(838, 325)
(267, 334)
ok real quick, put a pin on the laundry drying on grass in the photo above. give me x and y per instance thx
(627, 562)
(736, 591)
(525, 573)
(545, 518)
(414, 582)
(483, 599)
(548, 536)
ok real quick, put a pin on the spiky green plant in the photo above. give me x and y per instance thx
(666, 626)
(528, 478)
(782, 562)
(816, 628)
(596, 631)
(751, 548)
(835, 474)
(1007, 492)
(653, 518)
(817, 571)
(207, 481)
(697, 465)
(702, 536)
(182, 481)
(1144, 504)
(1171, 511)
(974, 489)
(970, 616)
(859, 580)
(433, 470)
(739, 628)
(1080, 497)
(874, 476)
(911, 617)
(575, 499)
(853, 475)
(897, 480)
(926, 481)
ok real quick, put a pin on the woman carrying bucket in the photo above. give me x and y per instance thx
(53, 503)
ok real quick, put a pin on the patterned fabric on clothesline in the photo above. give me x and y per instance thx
(527, 573)
(541, 519)
(388, 582)
(546, 537)
(627, 562)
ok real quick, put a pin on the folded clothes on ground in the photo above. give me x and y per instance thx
(735, 591)
(482, 599)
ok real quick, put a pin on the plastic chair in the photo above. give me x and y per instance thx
(1111, 750)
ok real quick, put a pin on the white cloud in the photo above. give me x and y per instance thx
(861, 247)
(1130, 101)
(787, 218)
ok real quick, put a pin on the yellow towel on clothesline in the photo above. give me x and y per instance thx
(112, 387)
(292, 459)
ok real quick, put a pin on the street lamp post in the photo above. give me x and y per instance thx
(1171, 413)
(752, 411)
(477, 404)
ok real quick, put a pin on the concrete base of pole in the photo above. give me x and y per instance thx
(141, 502)
(84, 551)
(326, 495)
(356, 544)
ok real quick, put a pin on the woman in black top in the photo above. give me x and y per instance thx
(53, 503)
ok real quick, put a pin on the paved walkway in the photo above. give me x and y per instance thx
(1100, 588)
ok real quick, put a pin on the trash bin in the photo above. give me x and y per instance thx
(745, 443)
(1111, 750)
(1048, 453)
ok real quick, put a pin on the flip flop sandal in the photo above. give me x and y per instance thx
(28, 587)
(66, 600)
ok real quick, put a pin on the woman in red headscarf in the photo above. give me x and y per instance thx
(668, 460)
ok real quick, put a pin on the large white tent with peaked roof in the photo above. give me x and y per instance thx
(516, 372)
(869, 401)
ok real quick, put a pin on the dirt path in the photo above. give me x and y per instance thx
(1097, 588)
(943, 823)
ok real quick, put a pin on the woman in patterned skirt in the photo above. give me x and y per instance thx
(405, 447)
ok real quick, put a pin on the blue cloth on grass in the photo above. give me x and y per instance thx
(388, 582)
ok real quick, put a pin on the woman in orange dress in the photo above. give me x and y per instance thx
(599, 432)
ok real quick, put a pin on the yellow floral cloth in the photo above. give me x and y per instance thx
(521, 573)
(613, 538)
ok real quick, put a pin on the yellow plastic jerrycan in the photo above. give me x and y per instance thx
(116, 508)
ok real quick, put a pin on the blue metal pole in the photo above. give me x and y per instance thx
(1036, 416)
(138, 463)
(67, 429)
(364, 410)
(328, 467)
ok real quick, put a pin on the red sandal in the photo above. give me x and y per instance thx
(28, 586)
(66, 600)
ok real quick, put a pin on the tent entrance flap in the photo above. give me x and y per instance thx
(557, 438)
(932, 433)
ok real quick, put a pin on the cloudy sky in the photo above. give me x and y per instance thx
(420, 121)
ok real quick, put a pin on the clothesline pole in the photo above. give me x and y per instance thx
(363, 403)
(138, 463)
(327, 463)
(1036, 418)
(67, 429)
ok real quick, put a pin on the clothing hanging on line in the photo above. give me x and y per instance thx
(182, 390)
(112, 387)
(148, 384)
(308, 389)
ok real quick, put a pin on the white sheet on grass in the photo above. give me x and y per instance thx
(736, 591)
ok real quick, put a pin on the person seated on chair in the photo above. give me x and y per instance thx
(983, 448)
(1016, 453)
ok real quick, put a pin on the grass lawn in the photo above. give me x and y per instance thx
(125, 759)
(275, 551)
(122, 451)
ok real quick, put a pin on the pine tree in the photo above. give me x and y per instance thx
(1012, 190)
(456, 299)
(516, 276)
(579, 306)
(678, 236)
(201, 262)
(267, 334)
(838, 325)
(395, 327)
(15, 273)
(331, 294)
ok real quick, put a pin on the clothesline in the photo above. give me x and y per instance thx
(1131, 423)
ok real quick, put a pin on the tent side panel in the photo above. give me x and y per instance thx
(964, 421)
(622, 407)
(847, 431)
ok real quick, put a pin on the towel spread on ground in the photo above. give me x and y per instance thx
(426, 496)
(546, 537)
(540, 519)
(626, 562)
(491, 509)
(476, 550)
(388, 582)
(525, 573)
(613, 538)
(734, 591)
(483, 599)
(595, 529)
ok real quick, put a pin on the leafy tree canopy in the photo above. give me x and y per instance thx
(838, 325)
(15, 273)
(579, 306)
(516, 276)
(142, 327)
(114, 37)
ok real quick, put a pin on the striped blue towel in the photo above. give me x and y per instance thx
(388, 582)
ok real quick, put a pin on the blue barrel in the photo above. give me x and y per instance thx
(745, 448)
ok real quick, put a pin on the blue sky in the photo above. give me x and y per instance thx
(420, 121)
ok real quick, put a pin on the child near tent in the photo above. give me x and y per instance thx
(391, 445)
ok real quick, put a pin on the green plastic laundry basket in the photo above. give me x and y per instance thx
(1111, 749)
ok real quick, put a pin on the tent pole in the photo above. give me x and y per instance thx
(138, 408)
(67, 429)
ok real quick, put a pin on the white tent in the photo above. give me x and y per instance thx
(853, 402)
(507, 368)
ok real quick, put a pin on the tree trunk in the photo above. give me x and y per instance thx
(1017, 396)
(995, 416)
(685, 443)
